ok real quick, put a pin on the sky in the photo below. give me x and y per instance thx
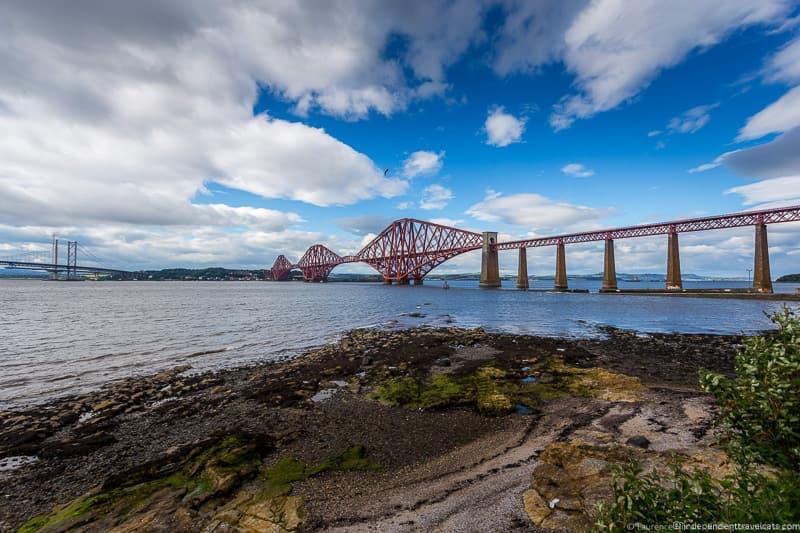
(211, 132)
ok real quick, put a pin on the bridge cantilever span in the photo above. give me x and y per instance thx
(408, 249)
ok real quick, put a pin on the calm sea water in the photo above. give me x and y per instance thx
(64, 338)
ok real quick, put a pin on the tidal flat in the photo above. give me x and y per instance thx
(443, 429)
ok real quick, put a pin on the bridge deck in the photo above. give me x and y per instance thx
(734, 220)
(50, 267)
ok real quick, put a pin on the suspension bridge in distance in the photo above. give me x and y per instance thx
(408, 249)
(51, 262)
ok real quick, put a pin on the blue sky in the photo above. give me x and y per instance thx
(186, 133)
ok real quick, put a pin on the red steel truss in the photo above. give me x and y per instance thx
(281, 268)
(410, 248)
(317, 263)
(734, 220)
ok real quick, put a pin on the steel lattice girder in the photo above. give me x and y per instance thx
(735, 220)
(411, 248)
(281, 268)
(317, 263)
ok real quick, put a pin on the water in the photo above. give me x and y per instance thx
(65, 338)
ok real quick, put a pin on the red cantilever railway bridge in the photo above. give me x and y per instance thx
(408, 249)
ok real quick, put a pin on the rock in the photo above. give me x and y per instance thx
(494, 404)
(103, 405)
(535, 506)
(599, 383)
(640, 441)
(280, 514)
(442, 361)
(77, 446)
(575, 477)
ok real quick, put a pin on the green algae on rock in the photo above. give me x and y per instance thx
(185, 478)
(494, 391)
(290, 469)
(596, 382)
(269, 505)
(486, 389)
(225, 478)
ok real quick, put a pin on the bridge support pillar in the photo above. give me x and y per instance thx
(762, 280)
(522, 269)
(674, 281)
(403, 281)
(490, 266)
(54, 272)
(609, 268)
(561, 268)
(417, 281)
(387, 281)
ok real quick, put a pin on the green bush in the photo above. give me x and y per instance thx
(693, 496)
(759, 420)
(759, 409)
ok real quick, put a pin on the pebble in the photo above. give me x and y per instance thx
(16, 461)
(640, 441)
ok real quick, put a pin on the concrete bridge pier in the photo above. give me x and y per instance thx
(403, 281)
(387, 281)
(674, 281)
(490, 266)
(762, 280)
(609, 268)
(522, 269)
(417, 281)
(561, 268)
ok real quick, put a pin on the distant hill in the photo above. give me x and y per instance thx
(203, 274)
(355, 277)
(789, 278)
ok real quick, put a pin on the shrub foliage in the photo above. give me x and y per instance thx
(758, 414)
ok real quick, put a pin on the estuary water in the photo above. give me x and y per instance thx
(65, 338)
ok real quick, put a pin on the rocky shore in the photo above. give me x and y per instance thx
(425, 429)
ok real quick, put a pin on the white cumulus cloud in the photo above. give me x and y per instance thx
(535, 212)
(781, 115)
(423, 163)
(503, 128)
(784, 66)
(577, 170)
(692, 120)
(775, 191)
(616, 48)
(435, 197)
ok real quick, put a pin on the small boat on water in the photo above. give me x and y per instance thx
(445, 285)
